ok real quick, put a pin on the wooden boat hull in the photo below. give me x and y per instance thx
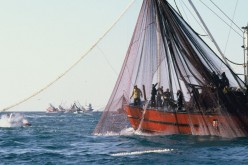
(164, 122)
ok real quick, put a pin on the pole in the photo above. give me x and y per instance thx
(158, 50)
(245, 47)
(245, 80)
(246, 50)
(144, 92)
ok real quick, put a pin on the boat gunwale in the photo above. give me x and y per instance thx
(174, 112)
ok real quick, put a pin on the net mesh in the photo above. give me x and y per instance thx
(164, 49)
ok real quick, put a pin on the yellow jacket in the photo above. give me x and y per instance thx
(136, 93)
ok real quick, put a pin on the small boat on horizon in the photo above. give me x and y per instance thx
(89, 108)
(76, 108)
(52, 109)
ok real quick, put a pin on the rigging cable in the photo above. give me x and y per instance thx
(196, 21)
(232, 22)
(221, 19)
(209, 33)
(227, 15)
(178, 8)
(231, 26)
(107, 60)
(234, 62)
(73, 65)
(184, 12)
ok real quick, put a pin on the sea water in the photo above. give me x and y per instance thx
(64, 138)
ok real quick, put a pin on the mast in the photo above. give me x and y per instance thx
(245, 47)
(158, 50)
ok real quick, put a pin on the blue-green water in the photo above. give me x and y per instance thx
(67, 139)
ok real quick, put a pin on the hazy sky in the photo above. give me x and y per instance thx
(40, 39)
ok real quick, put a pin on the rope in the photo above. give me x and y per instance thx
(70, 68)
(227, 15)
(234, 62)
(209, 33)
(196, 22)
(231, 27)
(177, 8)
(222, 19)
(107, 60)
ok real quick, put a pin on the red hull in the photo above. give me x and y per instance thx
(164, 122)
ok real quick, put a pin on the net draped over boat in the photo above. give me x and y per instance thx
(164, 49)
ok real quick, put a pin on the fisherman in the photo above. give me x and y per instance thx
(136, 95)
(159, 96)
(154, 93)
(179, 99)
(224, 81)
(216, 79)
(166, 97)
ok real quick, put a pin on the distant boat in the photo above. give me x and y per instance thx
(76, 107)
(52, 109)
(88, 108)
(62, 109)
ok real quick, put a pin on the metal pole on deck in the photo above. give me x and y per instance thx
(158, 50)
(144, 92)
(246, 50)
(245, 47)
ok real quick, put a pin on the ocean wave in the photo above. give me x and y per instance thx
(141, 152)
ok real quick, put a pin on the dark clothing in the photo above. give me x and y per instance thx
(167, 95)
(154, 93)
(224, 80)
(137, 101)
(159, 97)
(179, 99)
(216, 79)
(167, 98)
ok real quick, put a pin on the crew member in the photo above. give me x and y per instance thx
(224, 80)
(136, 95)
(154, 93)
(179, 100)
(166, 97)
(159, 96)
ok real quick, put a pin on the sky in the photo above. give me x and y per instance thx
(39, 40)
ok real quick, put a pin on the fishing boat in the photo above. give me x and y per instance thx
(206, 97)
(52, 109)
(76, 108)
(88, 108)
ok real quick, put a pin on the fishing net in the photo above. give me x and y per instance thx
(164, 49)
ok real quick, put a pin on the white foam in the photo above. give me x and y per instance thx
(125, 132)
(13, 120)
(141, 152)
(109, 133)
